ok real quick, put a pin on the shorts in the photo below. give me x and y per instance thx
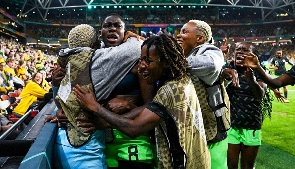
(246, 136)
(90, 155)
(125, 148)
(218, 153)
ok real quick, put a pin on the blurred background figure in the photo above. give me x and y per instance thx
(278, 64)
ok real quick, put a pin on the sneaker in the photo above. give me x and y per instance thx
(285, 100)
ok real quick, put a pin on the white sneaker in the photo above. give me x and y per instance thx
(285, 100)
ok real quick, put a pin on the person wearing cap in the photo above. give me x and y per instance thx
(5, 82)
(26, 57)
(17, 82)
(21, 70)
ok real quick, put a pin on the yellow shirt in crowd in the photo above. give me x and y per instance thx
(45, 85)
(30, 94)
(10, 71)
(21, 72)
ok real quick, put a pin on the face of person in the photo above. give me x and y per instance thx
(43, 73)
(150, 67)
(28, 63)
(17, 56)
(112, 32)
(187, 37)
(11, 64)
(279, 53)
(38, 78)
(242, 49)
(2, 66)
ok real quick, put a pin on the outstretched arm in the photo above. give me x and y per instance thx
(252, 61)
(258, 87)
(129, 34)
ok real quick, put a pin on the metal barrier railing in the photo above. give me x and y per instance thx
(15, 125)
(26, 139)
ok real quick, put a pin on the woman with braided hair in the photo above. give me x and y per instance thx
(174, 111)
(249, 104)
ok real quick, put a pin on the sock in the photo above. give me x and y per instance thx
(286, 94)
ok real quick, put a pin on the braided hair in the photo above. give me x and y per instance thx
(169, 51)
(266, 102)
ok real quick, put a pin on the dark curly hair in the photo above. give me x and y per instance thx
(168, 51)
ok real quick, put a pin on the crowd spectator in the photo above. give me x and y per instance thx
(5, 124)
(16, 75)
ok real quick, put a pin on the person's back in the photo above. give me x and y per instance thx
(6, 84)
(184, 106)
(71, 140)
(76, 58)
